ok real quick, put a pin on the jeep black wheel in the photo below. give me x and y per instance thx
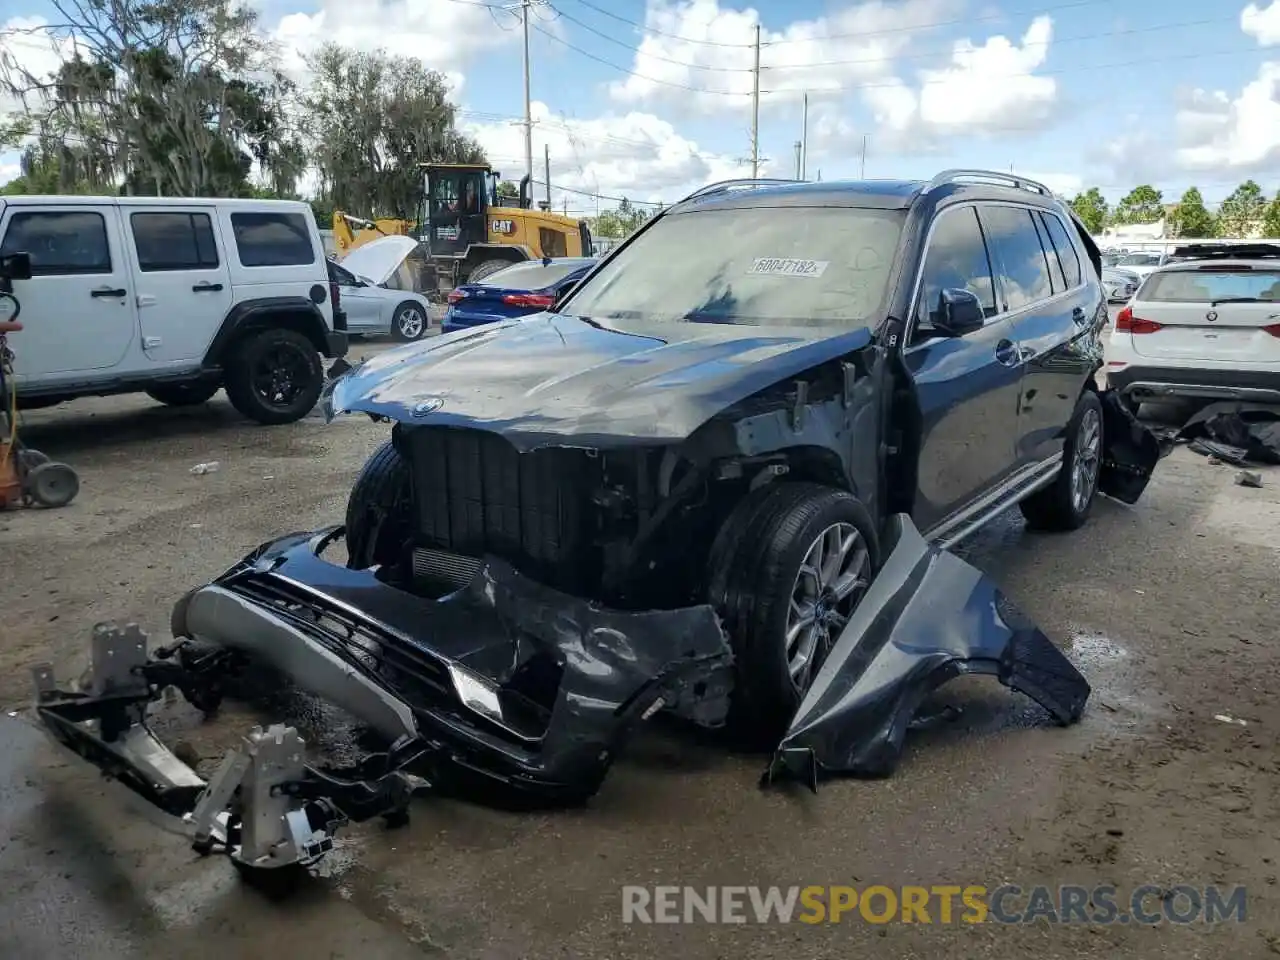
(410, 321)
(1065, 504)
(787, 570)
(482, 270)
(183, 394)
(275, 376)
(378, 510)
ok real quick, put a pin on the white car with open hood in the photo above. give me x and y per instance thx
(1206, 327)
(376, 283)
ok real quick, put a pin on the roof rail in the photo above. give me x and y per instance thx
(724, 186)
(988, 176)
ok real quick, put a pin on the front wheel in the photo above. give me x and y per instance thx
(275, 376)
(378, 510)
(1065, 504)
(410, 322)
(787, 570)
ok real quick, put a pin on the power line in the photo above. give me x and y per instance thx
(659, 33)
(651, 56)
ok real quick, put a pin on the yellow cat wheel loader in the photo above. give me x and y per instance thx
(466, 231)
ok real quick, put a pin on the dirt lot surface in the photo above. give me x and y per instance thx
(1169, 607)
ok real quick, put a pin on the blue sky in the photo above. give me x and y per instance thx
(649, 99)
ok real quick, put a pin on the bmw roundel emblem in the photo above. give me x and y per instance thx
(1211, 316)
(428, 406)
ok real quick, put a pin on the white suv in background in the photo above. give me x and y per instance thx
(1206, 327)
(175, 298)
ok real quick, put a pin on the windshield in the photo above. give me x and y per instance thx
(1141, 260)
(787, 266)
(1213, 286)
(531, 276)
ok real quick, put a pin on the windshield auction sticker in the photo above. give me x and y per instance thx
(788, 267)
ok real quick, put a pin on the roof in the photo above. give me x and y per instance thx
(28, 199)
(876, 194)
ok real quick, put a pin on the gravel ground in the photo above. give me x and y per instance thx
(1168, 606)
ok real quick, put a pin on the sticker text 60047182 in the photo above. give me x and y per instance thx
(789, 267)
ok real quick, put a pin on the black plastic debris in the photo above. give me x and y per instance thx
(928, 617)
(1235, 432)
(1130, 453)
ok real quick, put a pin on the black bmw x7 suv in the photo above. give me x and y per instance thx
(713, 479)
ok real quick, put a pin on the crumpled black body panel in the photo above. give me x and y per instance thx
(927, 617)
(1130, 453)
(1236, 432)
(611, 667)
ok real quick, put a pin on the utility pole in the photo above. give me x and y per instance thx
(528, 104)
(546, 160)
(755, 111)
(799, 147)
(862, 173)
(804, 139)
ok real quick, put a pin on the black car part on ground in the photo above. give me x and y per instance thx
(1130, 453)
(526, 690)
(927, 618)
(1235, 432)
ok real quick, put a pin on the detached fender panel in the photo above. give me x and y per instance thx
(1130, 451)
(928, 617)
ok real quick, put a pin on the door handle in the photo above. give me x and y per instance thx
(1007, 352)
(108, 292)
(202, 287)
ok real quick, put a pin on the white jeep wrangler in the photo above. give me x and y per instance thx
(172, 297)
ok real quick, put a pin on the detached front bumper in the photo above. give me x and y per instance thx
(504, 681)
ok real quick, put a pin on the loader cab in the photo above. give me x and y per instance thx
(458, 197)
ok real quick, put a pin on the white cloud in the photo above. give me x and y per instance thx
(713, 55)
(10, 168)
(1219, 133)
(445, 36)
(1262, 24)
(987, 89)
(636, 154)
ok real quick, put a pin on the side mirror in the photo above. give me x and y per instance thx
(959, 312)
(16, 266)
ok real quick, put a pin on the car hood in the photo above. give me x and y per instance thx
(378, 259)
(549, 379)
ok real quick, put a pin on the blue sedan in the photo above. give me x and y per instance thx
(514, 291)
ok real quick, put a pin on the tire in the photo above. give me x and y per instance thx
(274, 376)
(52, 484)
(410, 322)
(378, 510)
(1063, 505)
(754, 572)
(183, 394)
(485, 269)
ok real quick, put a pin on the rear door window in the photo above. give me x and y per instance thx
(174, 241)
(60, 243)
(272, 239)
(1015, 246)
(1066, 250)
(956, 260)
(1050, 255)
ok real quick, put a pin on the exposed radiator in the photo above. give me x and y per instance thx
(444, 567)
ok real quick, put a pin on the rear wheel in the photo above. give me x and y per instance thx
(378, 510)
(1065, 504)
(488, 267)
(410, 321)
(275, 376)
(787, 570)
(183, 394)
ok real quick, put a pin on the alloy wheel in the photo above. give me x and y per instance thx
(1088, 457)
(410, 322)
(832, 578)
